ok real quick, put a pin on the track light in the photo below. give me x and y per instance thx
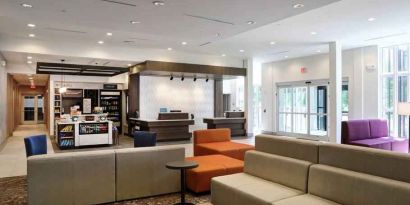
(171, 78)
(194, 78)
(207, 79)
(182, 78)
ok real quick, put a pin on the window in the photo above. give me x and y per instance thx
(395, 87)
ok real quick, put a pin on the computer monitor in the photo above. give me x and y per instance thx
(163, 109)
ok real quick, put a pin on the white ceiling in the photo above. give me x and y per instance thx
(86, 22)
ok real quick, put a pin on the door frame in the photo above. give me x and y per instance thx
(35, 121)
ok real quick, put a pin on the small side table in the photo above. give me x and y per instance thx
(182, 166)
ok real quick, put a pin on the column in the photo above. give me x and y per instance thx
(335, 92)
(249, 111)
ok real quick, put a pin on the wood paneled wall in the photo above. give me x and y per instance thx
(134, 93)
(218, 98)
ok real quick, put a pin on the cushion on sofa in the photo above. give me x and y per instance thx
(400, 145)
(199, 179)
(71, 178)
(230, 149)
(141, 172)
(245, 189)
(282, 170)
(212, 135)
(354, 188)
(357, 130)
(306, 199)
(379, 143)
(289, 147)
(371, 161)
(378, 128)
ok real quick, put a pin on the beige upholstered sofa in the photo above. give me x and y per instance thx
(287, 171)
(95, 177)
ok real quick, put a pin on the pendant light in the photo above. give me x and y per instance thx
(62, 89)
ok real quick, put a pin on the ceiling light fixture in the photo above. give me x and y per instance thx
(272, 43)
(250, 22)
(318, 51)
(29, 57)
(29, 62)
(207, 79)
(184, 43)
(286, 56)
(109, 34)
(241, 50)
(26, 5)
(31, 25)
(223, 55)
(158, 3)
(32, 35)
(298, 6)
(313, 33)
(129, 64)
(194, 78)
(182, 78)
(100, 42)
(218, 35)
(135, 22)
(371, 19)
(171, 78)
(170, 49)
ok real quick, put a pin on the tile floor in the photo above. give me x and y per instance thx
(13, 154)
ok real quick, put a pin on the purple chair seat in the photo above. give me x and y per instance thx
(399, 145)
(380, 143)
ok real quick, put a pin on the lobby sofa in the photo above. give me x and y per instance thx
(95, 177)
(328, 174)
(218, 141)
(373, 133)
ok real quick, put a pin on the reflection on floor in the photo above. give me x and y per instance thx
(13, 155)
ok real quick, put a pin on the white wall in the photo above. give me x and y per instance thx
(189, 96)
(363, 83)
(3, 102)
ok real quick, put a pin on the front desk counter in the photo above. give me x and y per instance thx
(237, 125)
(167, 130)
(83, 133)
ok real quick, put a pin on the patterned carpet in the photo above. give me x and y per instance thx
(13, 190)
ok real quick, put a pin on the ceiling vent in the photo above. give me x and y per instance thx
(65, 30)
(210, 19)
(119, 3)
(280, 52)
(204, 44)
(387, 36)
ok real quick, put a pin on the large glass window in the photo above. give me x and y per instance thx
(395, 87)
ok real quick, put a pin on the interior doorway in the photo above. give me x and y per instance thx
(32, 109)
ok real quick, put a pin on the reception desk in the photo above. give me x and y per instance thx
(167, 130)
(237, 125)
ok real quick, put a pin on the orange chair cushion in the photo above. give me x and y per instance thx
(199, 179)
(212, 135)
(230, 149)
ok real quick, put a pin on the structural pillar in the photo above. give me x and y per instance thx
(249, 107)
(335, 92)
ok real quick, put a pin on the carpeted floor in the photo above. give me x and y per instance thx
(13, 190)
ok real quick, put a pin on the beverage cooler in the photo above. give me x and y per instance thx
(111, 103)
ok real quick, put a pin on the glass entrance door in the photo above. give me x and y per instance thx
(32, 109)
(303, 110)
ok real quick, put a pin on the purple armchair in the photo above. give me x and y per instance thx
(372, 133)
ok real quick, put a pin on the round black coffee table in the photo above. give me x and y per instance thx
(182, 166)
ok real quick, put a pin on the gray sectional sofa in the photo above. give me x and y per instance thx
(96, 177)
(288, 171)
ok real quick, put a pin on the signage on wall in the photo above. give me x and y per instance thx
(111, 86)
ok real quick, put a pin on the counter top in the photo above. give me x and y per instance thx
(66, 123)
(147, 120)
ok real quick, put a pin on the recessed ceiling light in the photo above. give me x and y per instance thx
(100, 42)
(29, 57)
(318, 51)
(371, 19)
(158, 3)
(31, 25)
(286, 56)
(170, 49)
(272, 43)
(109, 34)
(218, 35)
(298, 6)
(184, 43)
(251, 22)
(30, 78)
(135, 22)
(223, 55)
(26, 5)
(32, 35)
(241, 50)
(29, 62)
(129, 64)
(313, 33)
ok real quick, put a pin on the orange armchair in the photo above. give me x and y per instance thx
(218, 141)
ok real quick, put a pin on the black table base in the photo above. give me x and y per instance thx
(182, 166)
